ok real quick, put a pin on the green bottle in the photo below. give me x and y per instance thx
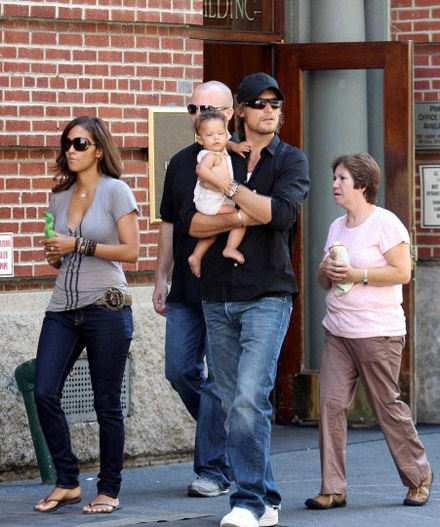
(48, 228)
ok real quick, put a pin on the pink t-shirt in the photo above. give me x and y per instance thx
(367, 311)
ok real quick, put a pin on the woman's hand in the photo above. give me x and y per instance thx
(336, 270)
(55, 248)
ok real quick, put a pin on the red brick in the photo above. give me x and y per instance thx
(17, 126)
(123, 41)
(5, 212)
(18, 213)
(110, 56)
(56, 55)
(48, 69)
(422, 60)
(43, 12)
(426, 3)
(401, 3)
(424, 253)
(31, 53)
(44, 38)
(170, 71)
(70, 39)
(32, 169)
(421, 85)
(16, 67)
(97, 69)
(57, 111)
(8, 140)
(110, 112)
(70, 13)
(97, 14)
(44, 96)
(136, 113)
(159, 57)
(31, 111)
(16, 37)
(431, 97)
(18, 183)
(147, 42)
(73, 97)
(14, 10)
(429, 25)
(135, 56)
(96, 97)
(70, 69)
(97, 41)
(123, 15)
(43, 82)
(8, 226)
(9, 52)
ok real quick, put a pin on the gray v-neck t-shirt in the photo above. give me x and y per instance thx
(84, 279)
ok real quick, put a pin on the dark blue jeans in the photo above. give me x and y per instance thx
(185, 349)
(107, 336)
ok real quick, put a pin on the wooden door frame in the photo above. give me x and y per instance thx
(395, 58)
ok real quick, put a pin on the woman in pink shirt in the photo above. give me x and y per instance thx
(365, 332)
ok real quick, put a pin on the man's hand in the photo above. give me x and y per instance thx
(160, 294)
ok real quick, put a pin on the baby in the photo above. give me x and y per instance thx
(212, 134)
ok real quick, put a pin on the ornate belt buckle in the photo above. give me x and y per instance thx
(115, 298)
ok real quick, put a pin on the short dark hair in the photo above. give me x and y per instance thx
(110, 162)
(208, 116)
(364, 170)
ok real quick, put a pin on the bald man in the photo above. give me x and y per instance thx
(185, 343)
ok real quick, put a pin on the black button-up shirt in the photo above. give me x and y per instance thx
(282, 174)
(180, 181)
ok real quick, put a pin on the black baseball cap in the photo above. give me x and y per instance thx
(252, 85)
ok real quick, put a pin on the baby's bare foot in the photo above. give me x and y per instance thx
(195, 265)
(228, 252)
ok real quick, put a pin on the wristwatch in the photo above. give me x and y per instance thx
(231, 192)
(365, 279)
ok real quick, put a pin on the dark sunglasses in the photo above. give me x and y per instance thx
(260, 104)
(80, 144)
(192, 108)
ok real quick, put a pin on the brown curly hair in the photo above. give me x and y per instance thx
(110, 162)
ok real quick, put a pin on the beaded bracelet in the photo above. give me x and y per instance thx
(85, 246)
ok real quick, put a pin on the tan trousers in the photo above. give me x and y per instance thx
(376, 361)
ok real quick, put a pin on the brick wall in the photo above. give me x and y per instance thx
(62, 59)
(419, 20)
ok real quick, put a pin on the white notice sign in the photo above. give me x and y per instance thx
(430, 178)
(427, 125)
(6, 254)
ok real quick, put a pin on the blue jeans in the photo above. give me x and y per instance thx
(245, 341)
(107, 336)
(185, 349)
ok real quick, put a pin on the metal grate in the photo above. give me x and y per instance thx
(77, 400)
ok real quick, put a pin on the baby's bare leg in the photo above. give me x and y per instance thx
(234, 239)
(195, 260)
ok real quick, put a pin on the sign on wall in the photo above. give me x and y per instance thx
(239, 15)
(169, 130)
(430, 179)
(6, 254)
(427, 125)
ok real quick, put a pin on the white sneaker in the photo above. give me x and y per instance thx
(239, 517)
(269, 518)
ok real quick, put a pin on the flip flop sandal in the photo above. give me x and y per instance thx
(59, 503)
(110, 508)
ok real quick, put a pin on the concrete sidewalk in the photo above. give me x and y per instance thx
(153, 495)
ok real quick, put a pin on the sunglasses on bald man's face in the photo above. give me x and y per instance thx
(80, 144)
(260, 104)
(192, 108)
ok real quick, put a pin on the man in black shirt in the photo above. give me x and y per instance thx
(185, 344)
(247, 307)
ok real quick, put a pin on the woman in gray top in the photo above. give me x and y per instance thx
(96, 229)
